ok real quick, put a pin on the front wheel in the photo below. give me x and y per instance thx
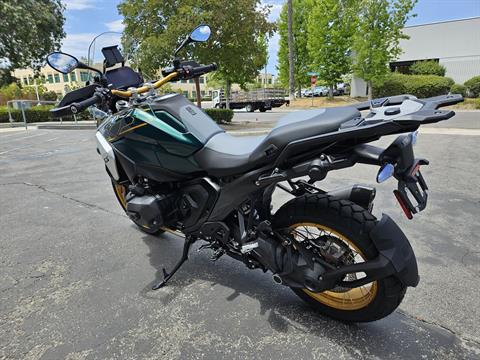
(345, 227)
(249, 108)
(121, 190)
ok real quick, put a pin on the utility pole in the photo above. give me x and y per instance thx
(291, 81)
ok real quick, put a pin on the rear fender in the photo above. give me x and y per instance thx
(392, 243)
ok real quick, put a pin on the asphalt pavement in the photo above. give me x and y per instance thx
(76, 274)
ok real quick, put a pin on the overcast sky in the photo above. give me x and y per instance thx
(87, 18)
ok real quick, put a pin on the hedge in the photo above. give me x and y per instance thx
(36, 114)
(473, 86)
(422, 86)
(459, 89)
(42, 114)
(429, 67)
(220, 115)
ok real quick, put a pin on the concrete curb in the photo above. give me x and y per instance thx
(67, 127)
(246, 132)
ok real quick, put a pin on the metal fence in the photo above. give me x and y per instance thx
(22, 105)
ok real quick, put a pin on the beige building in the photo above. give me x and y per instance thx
(63, 83)
(53, 80)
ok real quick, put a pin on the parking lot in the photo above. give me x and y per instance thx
(76, 274)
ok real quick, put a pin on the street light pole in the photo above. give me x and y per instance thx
(291, 68)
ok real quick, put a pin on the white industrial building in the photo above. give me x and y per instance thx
(455, 44)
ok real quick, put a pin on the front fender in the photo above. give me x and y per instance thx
(392, 243)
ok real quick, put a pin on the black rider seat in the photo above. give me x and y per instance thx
(225, 154)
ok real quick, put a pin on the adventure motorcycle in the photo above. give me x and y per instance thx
(174, 169)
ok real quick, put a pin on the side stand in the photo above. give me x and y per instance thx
(189, 240)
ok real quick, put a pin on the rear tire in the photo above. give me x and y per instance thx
(120, 193)
(352, 225)
(249, 108)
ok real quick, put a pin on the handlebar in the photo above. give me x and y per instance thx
(186, 72)
(82, 105)
(143, 89)
(204, 69)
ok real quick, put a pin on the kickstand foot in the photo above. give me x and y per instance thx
(167, 276)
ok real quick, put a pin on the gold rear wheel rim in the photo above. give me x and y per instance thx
(353, 299)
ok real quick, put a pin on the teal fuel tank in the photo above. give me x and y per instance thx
(158, 138)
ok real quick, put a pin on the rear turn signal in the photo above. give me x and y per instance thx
(403, 205)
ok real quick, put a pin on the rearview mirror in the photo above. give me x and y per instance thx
(200, 33)
(62, 62)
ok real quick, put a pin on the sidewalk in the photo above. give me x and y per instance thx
(64, 125)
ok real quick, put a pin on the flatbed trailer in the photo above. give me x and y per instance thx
(258, 99)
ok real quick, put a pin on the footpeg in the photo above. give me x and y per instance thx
(247, 247)
(217, 255)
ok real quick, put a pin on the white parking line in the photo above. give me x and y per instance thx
(22, 138)
(18, 148)
(449, 131)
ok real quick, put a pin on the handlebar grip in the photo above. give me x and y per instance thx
(200, 70)
(82, 105)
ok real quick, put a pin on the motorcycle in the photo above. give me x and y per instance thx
(173, 169)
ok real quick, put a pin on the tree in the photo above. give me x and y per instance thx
(6, 77)
(376, 41)
(301, 58)
(154, 28)
(330, 28)
(29, 30)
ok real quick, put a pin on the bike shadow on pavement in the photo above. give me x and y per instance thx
(397, 336)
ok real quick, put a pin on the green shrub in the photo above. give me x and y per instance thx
(220, 115)
(422, 86)
(428, 67)
(473, 86)
(50, 96)
(37, 114)
(459, 89)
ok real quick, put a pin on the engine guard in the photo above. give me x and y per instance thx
(396, 257)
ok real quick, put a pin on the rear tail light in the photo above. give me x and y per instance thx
(402, 203)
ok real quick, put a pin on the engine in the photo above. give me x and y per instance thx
(154, 206)
(151, 211)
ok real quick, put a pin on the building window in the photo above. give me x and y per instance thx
(194, 94)
(50, 78)
(65, 77)
(191, 81)
(202, 92)
(25, 80)
(30, 79)
(184, 81)
(57, 78)
(185, 93)
(73, 77)
(201, 80)
(84, 76)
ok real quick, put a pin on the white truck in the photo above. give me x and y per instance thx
(258, 99)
